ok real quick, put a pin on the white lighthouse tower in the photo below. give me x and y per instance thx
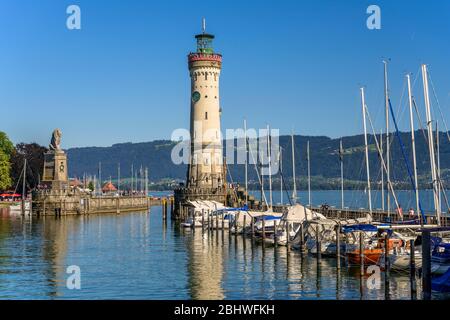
(206, 169)
(206, 174)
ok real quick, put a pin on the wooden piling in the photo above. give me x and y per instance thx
(209, 221)
(217, 222)
(338, 248)
(302, 239)
(203, 220)
(288, 240)
(245, 225)
(412, 268)
(387, 266)
(361, 253)
(253, 227)
(426, 264)
(223, 222)
(275, 224)
(235, 221)
(386, 255)
(263, 228)
(165, 208)
(318, 244)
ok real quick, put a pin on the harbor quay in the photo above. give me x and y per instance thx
(55, 197)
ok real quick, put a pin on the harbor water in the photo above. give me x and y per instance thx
(139, 256)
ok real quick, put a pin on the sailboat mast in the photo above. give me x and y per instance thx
(261, 154)
(413, 142)
(118, 178)
(100, 174)
(269, 155)
(24, 185)
(280, 157)
(363, 102)
(438, 156)
(132, 178)
(341, 158)
(294, 191)
(246, 162)
(146, 182)
(382, 171)
(309, 174)
(431, 141)
(24, 178)
(388, 147)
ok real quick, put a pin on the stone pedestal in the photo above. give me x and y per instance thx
(55, 170)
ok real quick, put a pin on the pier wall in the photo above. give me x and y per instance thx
(66, 204)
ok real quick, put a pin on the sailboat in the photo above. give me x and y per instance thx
(24, 206)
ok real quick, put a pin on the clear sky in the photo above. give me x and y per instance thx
(293, 64)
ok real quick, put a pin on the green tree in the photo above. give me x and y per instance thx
(91, 186)
(6, 149)
(5, 144)
(34, 154)
(5, 169)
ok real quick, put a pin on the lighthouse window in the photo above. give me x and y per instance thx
(215, 77)
(206, 76)
(206, 115)
(195, 77)
(206, 96)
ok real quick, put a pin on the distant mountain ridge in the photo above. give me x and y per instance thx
(324, 154)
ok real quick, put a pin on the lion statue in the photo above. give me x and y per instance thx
(55, 143)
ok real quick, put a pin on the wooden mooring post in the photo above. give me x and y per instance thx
(235, 222)
(361, 253)
(288, 240)
(318, 244)
(412, 268)
(245, 225)
(203, 220)
(263, 230)
(338, 247)
(165, 209)
(387, 266)
(302, 239)
(217, 222)
(426, 264)
(209, 221)
(192, 215)
(253, 228)
(275, 240)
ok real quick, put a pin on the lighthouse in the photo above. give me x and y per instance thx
(206, 169)
(206, 173)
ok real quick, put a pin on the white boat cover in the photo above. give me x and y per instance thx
(299, 213)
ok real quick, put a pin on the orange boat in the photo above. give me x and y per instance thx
(371, 256)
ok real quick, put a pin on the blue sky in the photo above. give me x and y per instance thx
(293, 64)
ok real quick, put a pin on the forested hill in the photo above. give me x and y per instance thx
(156, 155)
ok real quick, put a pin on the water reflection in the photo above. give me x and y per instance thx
(140, 256)
(205, 265)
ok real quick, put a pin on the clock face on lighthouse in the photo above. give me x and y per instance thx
(195, 96)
